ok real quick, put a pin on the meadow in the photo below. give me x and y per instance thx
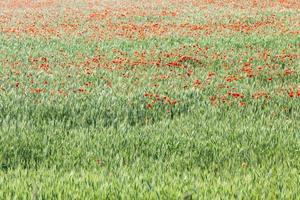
(165, 99)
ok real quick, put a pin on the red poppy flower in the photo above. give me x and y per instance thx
(237, 95)
(242, 104)
(291, 93)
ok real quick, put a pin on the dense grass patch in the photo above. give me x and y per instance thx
(160, 100)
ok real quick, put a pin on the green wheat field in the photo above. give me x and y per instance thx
(164, 99)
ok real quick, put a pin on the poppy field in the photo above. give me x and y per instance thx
(162, 99)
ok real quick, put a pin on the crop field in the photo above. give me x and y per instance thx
(140, 99)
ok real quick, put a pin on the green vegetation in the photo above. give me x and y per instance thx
(199, 114)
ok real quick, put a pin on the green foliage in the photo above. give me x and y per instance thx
(80, 128)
